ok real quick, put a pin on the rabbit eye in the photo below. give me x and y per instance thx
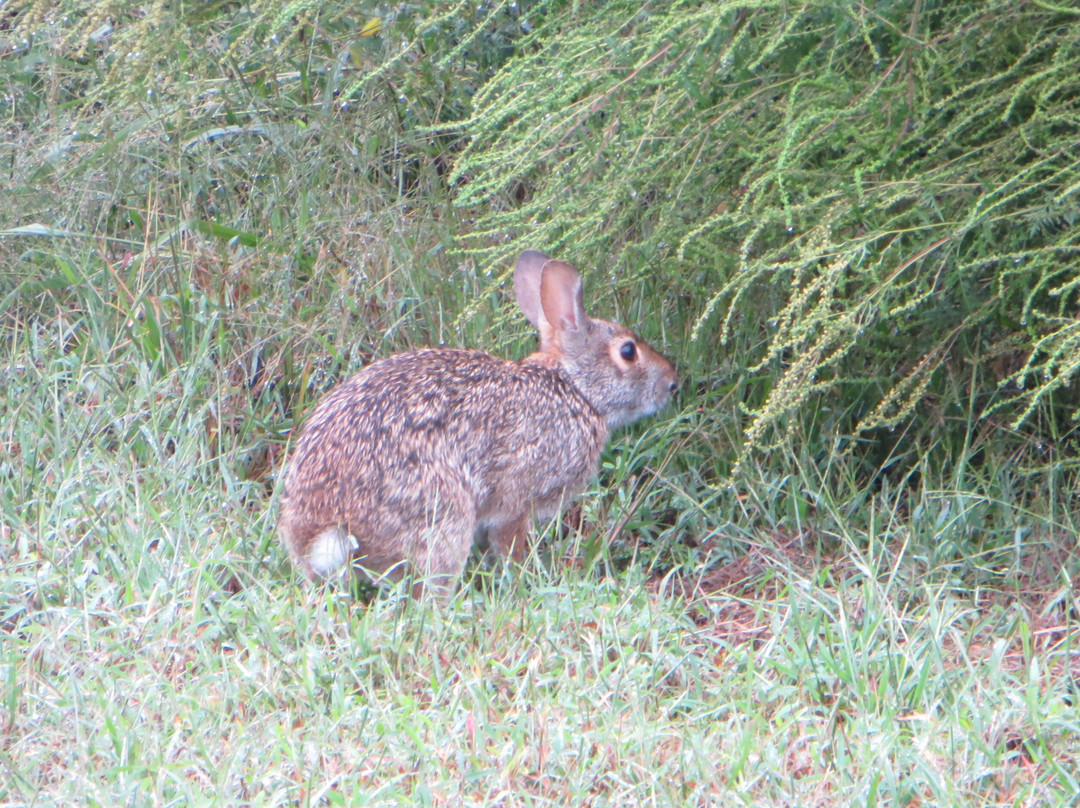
(628, 351)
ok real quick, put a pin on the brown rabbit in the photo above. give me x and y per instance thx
(418, 454)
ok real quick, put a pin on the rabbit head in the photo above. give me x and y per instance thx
(618, 372)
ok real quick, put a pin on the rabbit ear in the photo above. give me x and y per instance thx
(527, 273)
(560, 298)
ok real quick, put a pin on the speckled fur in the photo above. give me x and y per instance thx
(408, 461)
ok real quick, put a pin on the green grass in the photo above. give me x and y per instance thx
(892, 625)
(911, 646)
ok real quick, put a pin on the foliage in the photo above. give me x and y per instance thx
(848, 197)
(847, 204)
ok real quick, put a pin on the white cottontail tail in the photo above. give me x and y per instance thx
(407, 462)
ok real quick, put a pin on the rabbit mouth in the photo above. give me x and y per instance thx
(621, 416)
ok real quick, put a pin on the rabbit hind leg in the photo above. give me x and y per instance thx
(443, 548)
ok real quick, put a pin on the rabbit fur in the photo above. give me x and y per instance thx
(401, 467)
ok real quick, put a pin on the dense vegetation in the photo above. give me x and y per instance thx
(839, 569)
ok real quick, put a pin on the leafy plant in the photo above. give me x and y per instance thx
(857, 200)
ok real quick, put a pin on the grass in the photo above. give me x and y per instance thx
(822, 628)
(811, 650)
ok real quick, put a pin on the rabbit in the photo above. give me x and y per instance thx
(404, 465)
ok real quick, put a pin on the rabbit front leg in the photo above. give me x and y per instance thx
(510, 539)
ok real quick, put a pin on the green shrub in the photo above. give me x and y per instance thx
(850, 218)
(854, 201)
